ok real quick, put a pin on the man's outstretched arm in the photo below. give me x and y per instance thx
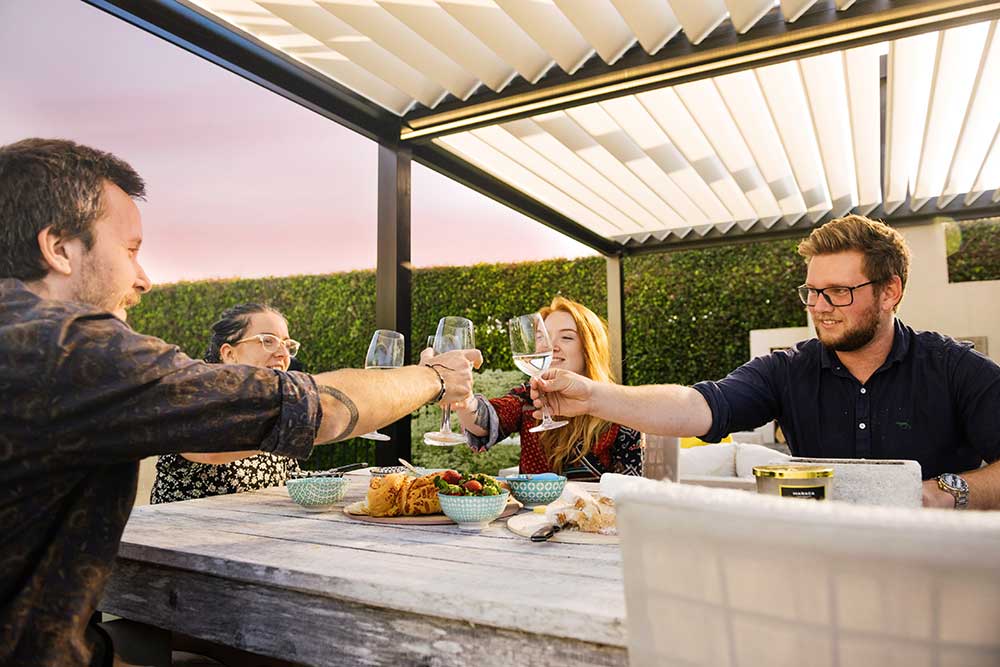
(358, 401)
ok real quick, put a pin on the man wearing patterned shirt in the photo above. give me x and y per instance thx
(85, 398)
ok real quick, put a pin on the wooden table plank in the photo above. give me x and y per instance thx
(215, 567)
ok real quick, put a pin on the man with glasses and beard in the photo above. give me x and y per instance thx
(85, 398)
(867, 387)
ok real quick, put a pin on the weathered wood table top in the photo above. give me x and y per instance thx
(258, 572)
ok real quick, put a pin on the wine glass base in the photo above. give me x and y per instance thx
(443, 439)
(375, 435)
(547, 426)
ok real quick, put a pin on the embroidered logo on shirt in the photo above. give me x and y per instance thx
(904, 425)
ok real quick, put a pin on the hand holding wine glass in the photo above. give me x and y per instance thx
(386, 350)
(532, 351)
(453, 333)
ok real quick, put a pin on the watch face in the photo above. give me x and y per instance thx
(953, 481)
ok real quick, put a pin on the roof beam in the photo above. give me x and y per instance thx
(457, 169)
(226, 46)
(822, 30)
(954, 212)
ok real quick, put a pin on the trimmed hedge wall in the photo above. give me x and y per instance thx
(688, 315)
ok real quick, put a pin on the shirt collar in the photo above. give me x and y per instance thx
(900, 346)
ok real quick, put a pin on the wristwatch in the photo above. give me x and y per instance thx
(957, 487)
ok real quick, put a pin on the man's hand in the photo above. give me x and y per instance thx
(456, 370)
(934, 496)
(567, 394)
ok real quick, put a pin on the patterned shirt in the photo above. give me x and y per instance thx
(618, 449)
(84, 399)
(178, 478)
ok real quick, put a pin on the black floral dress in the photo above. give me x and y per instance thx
(177, 478)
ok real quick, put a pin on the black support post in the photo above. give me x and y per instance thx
(393, 284)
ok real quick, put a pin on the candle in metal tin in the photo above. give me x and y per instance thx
(810, 482)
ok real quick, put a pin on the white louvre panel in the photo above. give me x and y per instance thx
(911, 70)
(673, 118)
(652, 21)
(547, 144)
(960, 55)
(537, 162)
(826, 87)
(279, 34)
(743, 96)
(609, 133)
(981, 122)
(654, 142)
(988, 177)
(786, 98)
(863, 92)
(601, 25)
(793, 9)
(342, 38)
(368, 18)
(551, 30)
(438, 27)
(699, 18)
(745, 13)
(501, 35)
(568, 129)
(844, 4)
(479, 153)
(703, 101)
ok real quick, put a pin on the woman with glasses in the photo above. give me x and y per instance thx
(254, 335)
(585, 448)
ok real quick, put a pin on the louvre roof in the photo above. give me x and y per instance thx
(642, 124)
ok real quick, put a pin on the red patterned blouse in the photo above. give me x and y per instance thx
(618, 450)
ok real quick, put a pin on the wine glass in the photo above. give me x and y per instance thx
(453, 333)
(532, 350)
(385, 351)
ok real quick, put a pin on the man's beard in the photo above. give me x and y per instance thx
(855, 338)
(93, 289)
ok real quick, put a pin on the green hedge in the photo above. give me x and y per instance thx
(688, 314)
(974, 250)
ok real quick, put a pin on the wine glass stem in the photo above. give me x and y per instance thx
(446, 419)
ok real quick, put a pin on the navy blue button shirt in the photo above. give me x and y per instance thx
(934, 400)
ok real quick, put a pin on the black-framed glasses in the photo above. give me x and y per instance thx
(835, 296)
(270, 343)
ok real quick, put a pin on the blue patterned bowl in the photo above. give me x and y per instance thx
(473, 511)
(535, 489)
(317, 493)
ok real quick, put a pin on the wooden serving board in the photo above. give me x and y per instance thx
(526, 524)
(428, 519)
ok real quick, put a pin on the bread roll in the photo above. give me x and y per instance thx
(402, 494)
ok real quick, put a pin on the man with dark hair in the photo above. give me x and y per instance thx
(867, 387)
(85, 397)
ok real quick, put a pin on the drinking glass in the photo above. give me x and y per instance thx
(385, 351)
(453, 333)
(532, 350)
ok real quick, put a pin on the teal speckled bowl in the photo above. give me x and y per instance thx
(317, 493)
(532, 490)
(473, 512)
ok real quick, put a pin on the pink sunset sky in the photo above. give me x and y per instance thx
(241, 182)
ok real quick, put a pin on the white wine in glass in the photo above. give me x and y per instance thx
(453, 333)
(386, 350)
(532, 352)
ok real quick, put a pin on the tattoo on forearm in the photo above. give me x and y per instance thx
(482, 415)
(347, 403)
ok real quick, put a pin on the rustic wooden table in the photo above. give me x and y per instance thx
(258, 572)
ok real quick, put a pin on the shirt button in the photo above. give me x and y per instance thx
(861, 426)
(864, 391)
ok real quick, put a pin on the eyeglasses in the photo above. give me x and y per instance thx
(271, 343)
(835, 296)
